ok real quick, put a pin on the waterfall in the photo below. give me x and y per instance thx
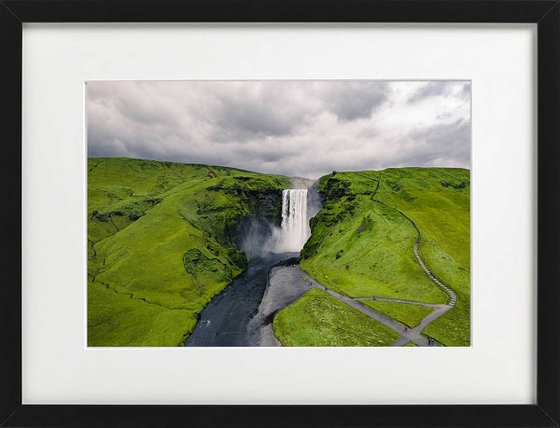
(295, 224)
(298, 206)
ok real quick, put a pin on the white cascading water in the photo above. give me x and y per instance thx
(295, 225)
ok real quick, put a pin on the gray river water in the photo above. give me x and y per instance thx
(242, 313)
(228, 320)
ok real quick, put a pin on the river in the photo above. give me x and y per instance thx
(242, 313)
(226, 320)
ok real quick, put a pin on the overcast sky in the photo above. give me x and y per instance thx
(295, 128)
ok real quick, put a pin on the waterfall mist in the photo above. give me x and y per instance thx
(257, 235)
(299, 205)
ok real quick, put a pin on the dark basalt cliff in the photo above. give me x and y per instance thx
(250, 228)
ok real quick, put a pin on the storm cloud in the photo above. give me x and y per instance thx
(296, 128)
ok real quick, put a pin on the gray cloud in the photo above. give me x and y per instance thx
(296, 128)
(357, 100)
(448, 144)
(259, 112)
(442, 89)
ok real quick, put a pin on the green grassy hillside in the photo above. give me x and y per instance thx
(160, 244)
(317, 319)
(407, 314)
(362, 239)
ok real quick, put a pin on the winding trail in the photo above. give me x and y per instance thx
(388, 299)
(406, 334)
(451, 293)
(440, 309)
(300, 282)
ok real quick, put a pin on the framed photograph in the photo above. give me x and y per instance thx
(280, 213)
(293, 228)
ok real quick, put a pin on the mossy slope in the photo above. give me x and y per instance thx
(362, 239)
(161, 244)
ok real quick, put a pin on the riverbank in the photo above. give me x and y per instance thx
(229, 319)
(285, 286)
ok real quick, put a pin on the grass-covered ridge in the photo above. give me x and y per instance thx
(362, 239)
(161, 244)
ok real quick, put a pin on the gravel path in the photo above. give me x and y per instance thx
(388, 299)
(439, 310)
(409, 335)
(287, 283)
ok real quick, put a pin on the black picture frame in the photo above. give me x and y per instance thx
(544, 13)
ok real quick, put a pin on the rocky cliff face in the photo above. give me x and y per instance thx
(258, 212)
(254, 231)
